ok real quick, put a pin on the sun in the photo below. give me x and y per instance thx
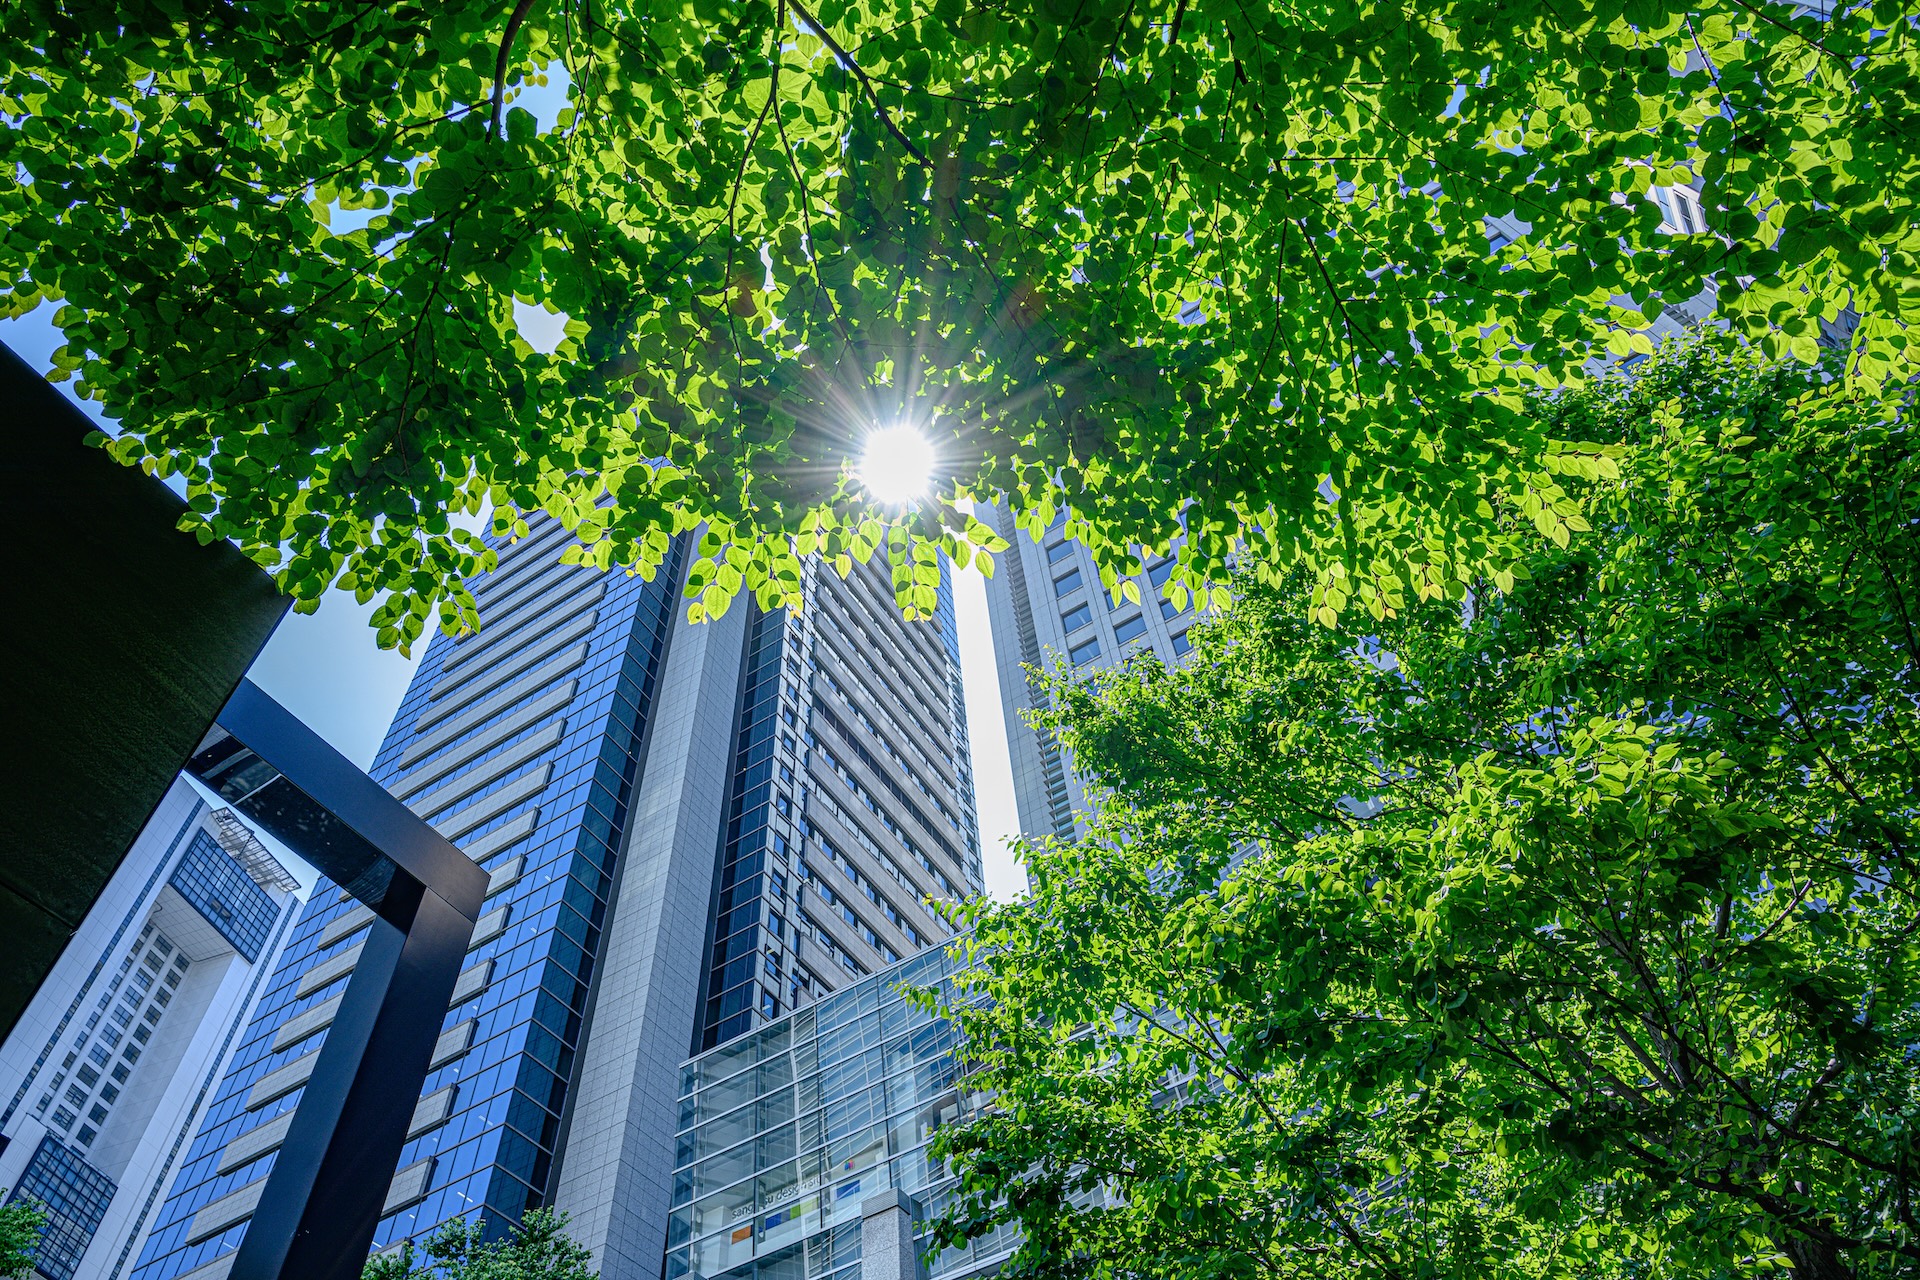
(897, 465)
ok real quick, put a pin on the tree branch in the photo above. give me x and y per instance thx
(518, 16)
(846, 60)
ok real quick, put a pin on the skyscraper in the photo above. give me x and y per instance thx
(111, 1066)
(689, 829)
(1045, 602)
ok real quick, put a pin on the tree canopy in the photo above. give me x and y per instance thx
(1569, 930)
(1185, 265)
(535, 1248)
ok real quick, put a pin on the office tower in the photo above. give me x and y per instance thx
(793, 1138)
(688, 829)
(1045, 603)
(110, 1068)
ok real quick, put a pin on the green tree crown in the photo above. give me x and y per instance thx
(1569, 930)
(1183, 269)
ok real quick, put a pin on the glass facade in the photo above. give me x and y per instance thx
(785, 1132)
(522, 745)
(737, 980)
(75, 1197)
(219, 888)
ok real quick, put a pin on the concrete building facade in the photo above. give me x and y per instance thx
(1045, 604)
(111, 1068)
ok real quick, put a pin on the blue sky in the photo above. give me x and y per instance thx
(326, 669)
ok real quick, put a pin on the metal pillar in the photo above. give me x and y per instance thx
(322, 1201)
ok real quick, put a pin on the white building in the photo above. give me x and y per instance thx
(105, 1077)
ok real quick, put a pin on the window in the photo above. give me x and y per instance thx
(1181, 644)
(1167, 609)
(769, 1007)
(98, 1115)
(775, 925)
(98, 1055)
(1086, 653)
(120, 1072)
(1680, 210)
(63, 1118)
(1131, 629)
(773, 967)
(1159, 574)
(1067, 583)
(1076, 618)
(76, 1096)
(108, 1093)
(131, 1053)
(1059, 551)
(143, 1033)
(88, 1076)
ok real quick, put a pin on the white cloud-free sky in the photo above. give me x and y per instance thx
(326, 669)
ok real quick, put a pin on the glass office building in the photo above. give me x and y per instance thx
(651, 800)
(786, 1132)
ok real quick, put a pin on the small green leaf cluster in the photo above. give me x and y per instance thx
(1565, 930)
(1199, 271)
(535, 1248)
(21, 1222)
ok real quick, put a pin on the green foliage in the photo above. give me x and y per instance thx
(20, 1226)
(1576, 928)
(288, 241)
(538, 1248)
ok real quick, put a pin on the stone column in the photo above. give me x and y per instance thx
(886, 1236)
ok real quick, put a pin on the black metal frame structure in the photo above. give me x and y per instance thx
(323, 1199)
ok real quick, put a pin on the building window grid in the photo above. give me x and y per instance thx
(221, 891)
(886, 743)
(75, 1197)
(857, 1102)
(849, 652)
(886, 819)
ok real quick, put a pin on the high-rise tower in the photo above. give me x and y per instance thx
(1047, 602)
(106, 1076)
(689, 830)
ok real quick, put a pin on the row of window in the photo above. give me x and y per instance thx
(887, 820)
(850, 650)
(890, 629)
(886, 744)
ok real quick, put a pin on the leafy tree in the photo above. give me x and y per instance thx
(1575, 932)
(1181, 263)
(20, 1226)
(537, 1248)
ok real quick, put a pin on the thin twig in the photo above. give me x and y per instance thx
(846, 60)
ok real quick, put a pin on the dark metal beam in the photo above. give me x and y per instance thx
(323, 1198)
